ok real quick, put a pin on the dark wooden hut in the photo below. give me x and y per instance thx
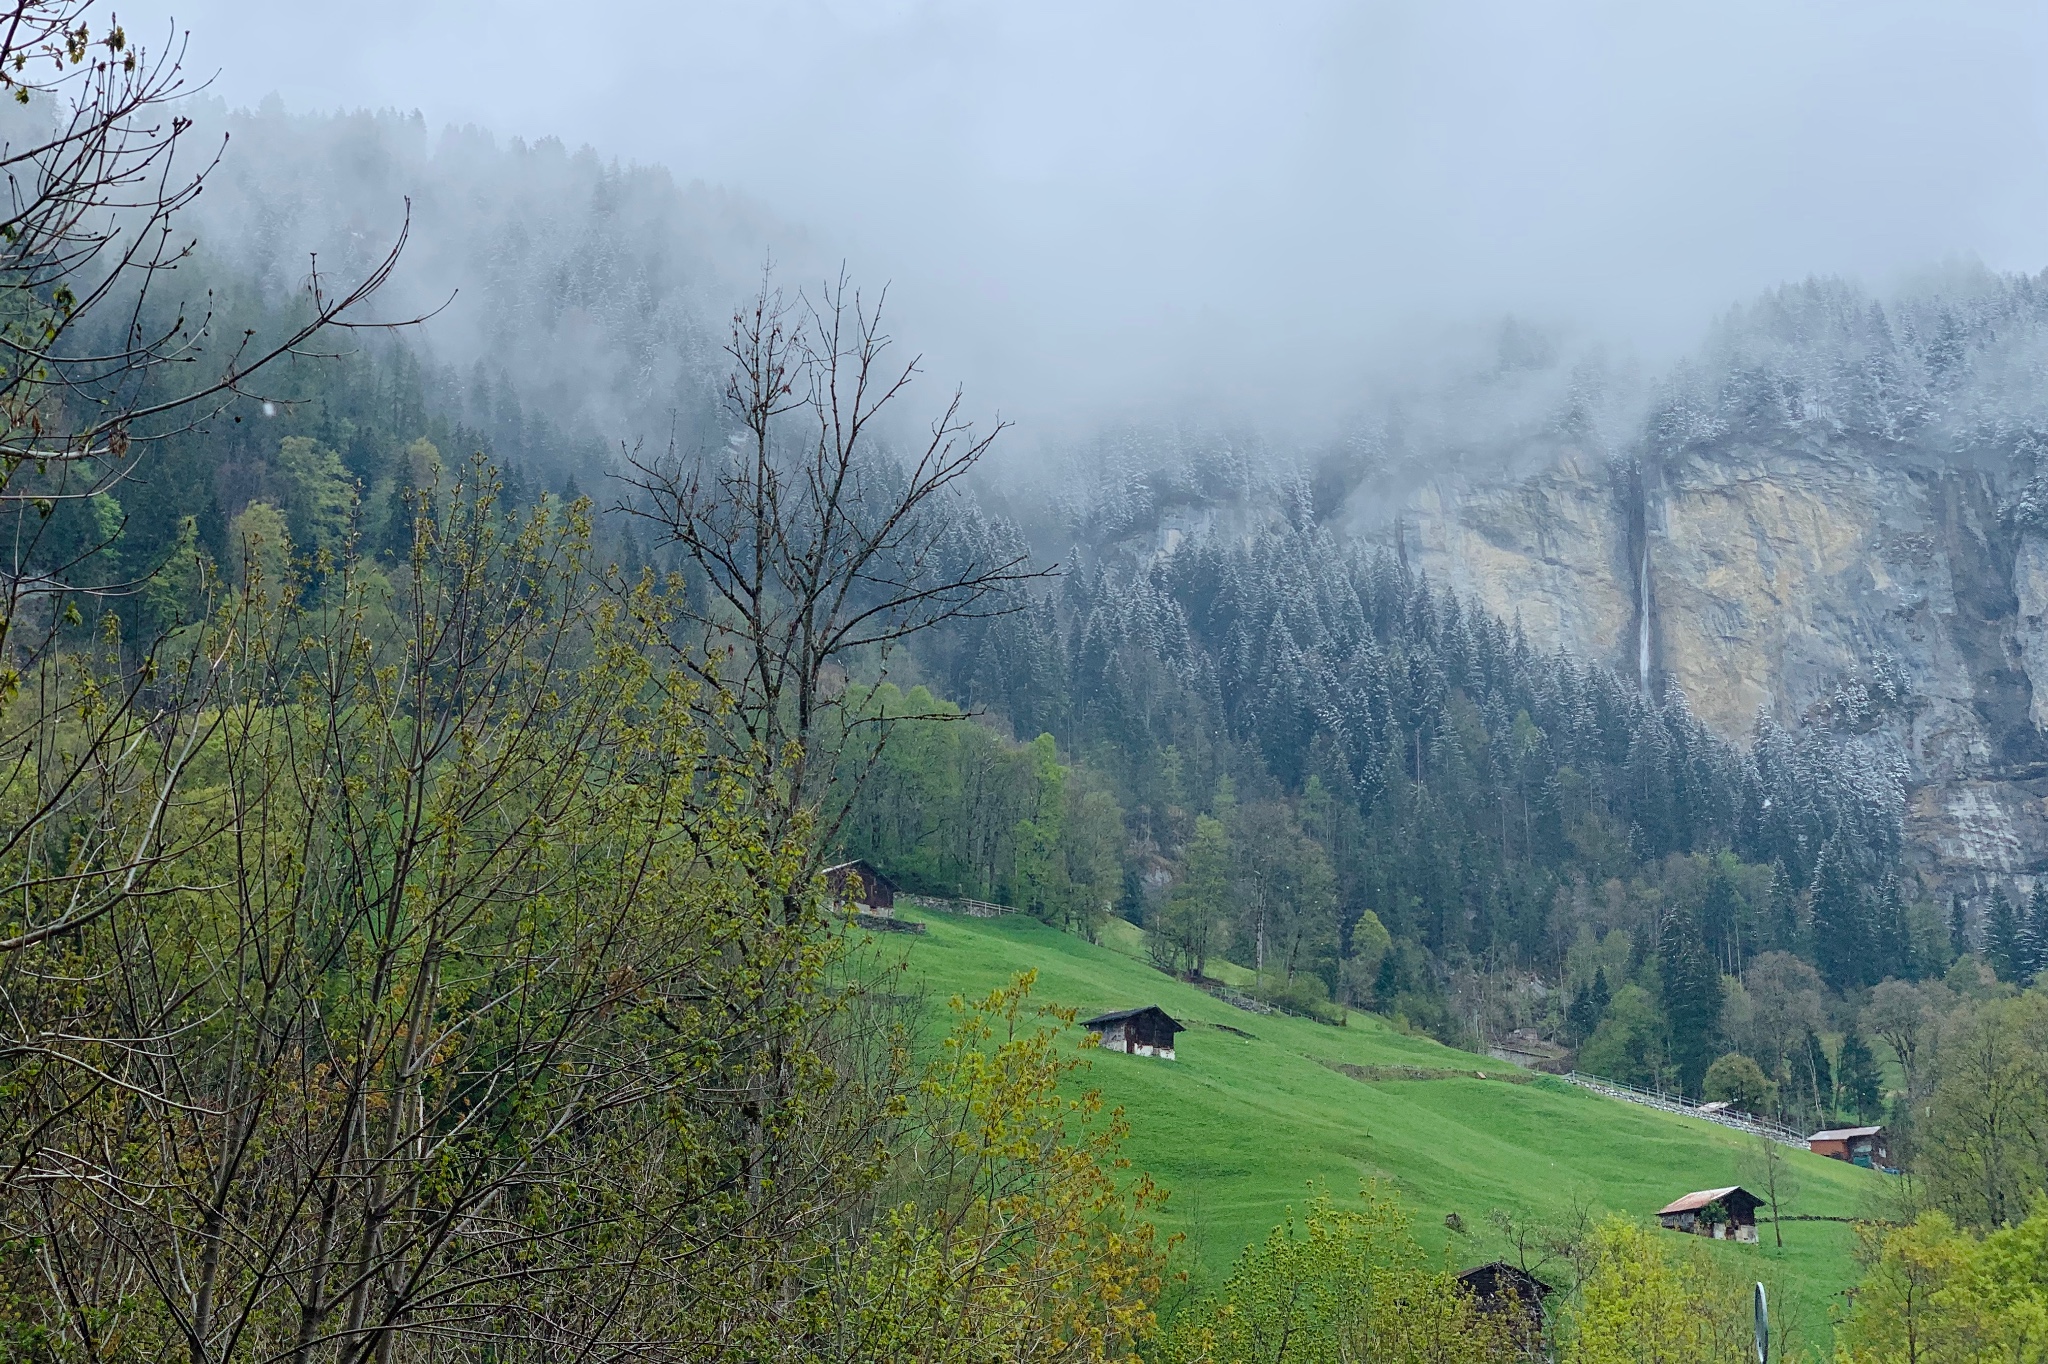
(1140, 1032)
(1725, 1214)
(863, 886)
(1500, 1287)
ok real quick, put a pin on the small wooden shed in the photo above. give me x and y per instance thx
(1501, 1287)
(1865, 1146)
(862, 885)
(1139, 1032)
(1725, 1214)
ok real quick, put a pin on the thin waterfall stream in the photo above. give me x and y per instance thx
(1643, 613)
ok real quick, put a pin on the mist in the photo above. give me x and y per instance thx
(1097, 213)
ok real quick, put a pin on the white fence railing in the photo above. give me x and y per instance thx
(1678, 1103)
(973, 909)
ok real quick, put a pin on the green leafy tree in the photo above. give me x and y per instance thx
(1984, 1143)
(1196, 919)
(1629, 1043)
(260, 548)
(1041, 878)
(1738, 1080)
(1286, 892)
(319, 495)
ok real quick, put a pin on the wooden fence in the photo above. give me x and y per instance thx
(1678, 1103)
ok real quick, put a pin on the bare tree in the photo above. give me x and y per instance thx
(451, 1022)
(1766, 1166)
(94, 365)
(812, 545)
(100, 359)
(1899, 1014)
(93, 371)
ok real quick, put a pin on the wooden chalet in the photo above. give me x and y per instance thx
(1500, 1287)
(1725, 1214)
(1865, 1146)
(863, 886)
(1139, 1032)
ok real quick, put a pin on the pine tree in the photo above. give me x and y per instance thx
(1721, 916)
(2037, 930)
(1894, 945)
(1387, 983)
(1841, 937)
(1784, 911)
(1856, 1078)
(1692, 999)
(2002, 945)
(1579, 1021)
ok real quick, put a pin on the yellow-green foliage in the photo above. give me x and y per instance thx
(453, 987)
(1937, 1295)
(1009, 1233)
(1338, 1284)
(1646, 1301)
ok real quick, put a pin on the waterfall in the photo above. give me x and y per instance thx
(1643, 613)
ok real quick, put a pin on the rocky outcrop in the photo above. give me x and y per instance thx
(1867, 590)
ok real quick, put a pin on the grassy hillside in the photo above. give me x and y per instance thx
(1237, 1127)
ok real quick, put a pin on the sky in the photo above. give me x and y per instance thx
(1082, 204)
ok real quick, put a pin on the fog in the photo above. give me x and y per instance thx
(1093, 210)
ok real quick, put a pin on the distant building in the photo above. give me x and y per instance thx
(1725, 1214)
(863, 886)
(1865, 1146)
(1141, 1032)
(1501, 1287)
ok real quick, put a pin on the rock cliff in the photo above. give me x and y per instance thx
(1877, 592)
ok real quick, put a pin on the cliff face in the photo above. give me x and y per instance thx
(1869, 591)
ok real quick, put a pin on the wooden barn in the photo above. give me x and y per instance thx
(1725, 1214)
(863, 886)
(1865, 1146)
(1502, 1287)
(1140, 1032)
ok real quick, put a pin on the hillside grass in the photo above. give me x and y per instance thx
(1238, 1129)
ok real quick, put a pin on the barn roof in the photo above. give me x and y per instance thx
(1483, 1278)
(1102, 1020)
(1845, 1133)
(1693, 1202)
(869, 872)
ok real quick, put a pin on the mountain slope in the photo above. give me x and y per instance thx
(1238, 1127)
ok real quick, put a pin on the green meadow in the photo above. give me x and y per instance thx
(1239, 1128)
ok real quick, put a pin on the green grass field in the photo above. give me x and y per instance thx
(1238, 1129)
